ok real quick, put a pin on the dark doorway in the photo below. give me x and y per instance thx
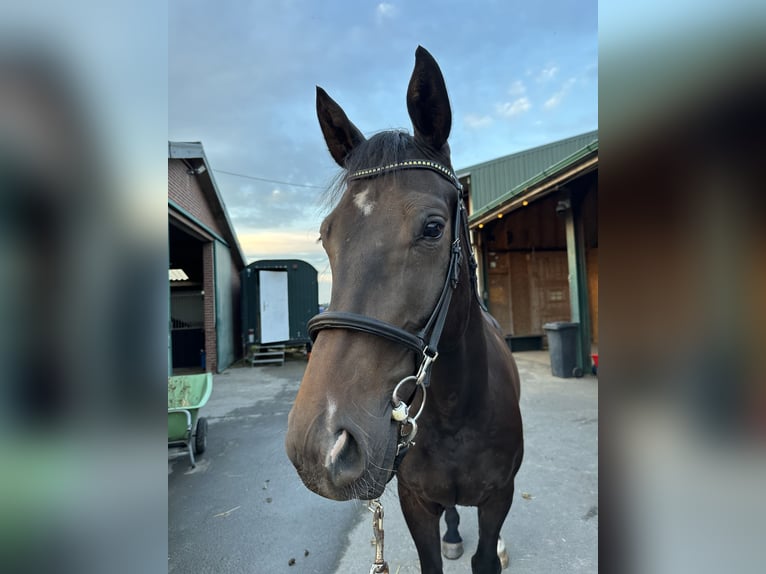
(186, 299)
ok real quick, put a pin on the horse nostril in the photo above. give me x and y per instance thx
(344, 459)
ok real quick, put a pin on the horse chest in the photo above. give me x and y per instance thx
(452, 469)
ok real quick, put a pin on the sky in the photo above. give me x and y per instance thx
(242, 77)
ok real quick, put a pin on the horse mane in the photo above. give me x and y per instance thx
(383, 148)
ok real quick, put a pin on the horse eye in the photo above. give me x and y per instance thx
(433, 230)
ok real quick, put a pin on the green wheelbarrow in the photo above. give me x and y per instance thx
(187, 394)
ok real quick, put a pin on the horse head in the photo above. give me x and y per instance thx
(389, 242)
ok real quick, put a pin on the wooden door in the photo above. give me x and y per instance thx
(520, 287)
(499, 289)
(550, 277)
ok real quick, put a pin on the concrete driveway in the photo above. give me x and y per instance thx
(244, 509)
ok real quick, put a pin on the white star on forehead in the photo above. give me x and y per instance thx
(363, 202)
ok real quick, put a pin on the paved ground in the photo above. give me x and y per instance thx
(244, 509)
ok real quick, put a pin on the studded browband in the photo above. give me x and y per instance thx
(445, 172)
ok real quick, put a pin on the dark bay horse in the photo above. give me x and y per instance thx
(405, 323)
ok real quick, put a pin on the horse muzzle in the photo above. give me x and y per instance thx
(339, 463)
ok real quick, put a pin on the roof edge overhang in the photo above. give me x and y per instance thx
(548, 181)
(194, 150)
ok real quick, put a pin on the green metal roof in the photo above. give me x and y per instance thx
(496, 181)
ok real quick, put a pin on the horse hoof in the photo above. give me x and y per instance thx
(452, 550)
(502, 553)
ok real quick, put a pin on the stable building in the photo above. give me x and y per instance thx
(534, 218)
(205, 265)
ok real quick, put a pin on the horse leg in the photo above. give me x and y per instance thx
(452, 544)
(491, 517)
(422, 519)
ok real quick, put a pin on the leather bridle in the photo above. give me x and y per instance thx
(424, 342)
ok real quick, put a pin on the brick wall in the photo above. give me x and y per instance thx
(184, 189)
(208, 307)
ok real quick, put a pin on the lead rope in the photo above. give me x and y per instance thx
(380, 566)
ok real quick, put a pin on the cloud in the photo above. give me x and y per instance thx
(514, 108)
(474, 121)
(547, 73)
(556, 98)
(517, 88)
(385, 10)
(553, 101)
(270, 208)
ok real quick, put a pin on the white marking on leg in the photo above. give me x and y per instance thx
(364, 203)
(502, 553)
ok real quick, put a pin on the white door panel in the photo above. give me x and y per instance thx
(275, 319)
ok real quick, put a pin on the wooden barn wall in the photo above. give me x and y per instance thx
(528, 289)
(533, 227)
(527, 272)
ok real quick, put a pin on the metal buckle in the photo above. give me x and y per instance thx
(429, 356)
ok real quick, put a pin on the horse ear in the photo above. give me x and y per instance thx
(340, 134)
(427, 101)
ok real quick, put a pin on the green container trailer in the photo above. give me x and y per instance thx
(279, 296)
